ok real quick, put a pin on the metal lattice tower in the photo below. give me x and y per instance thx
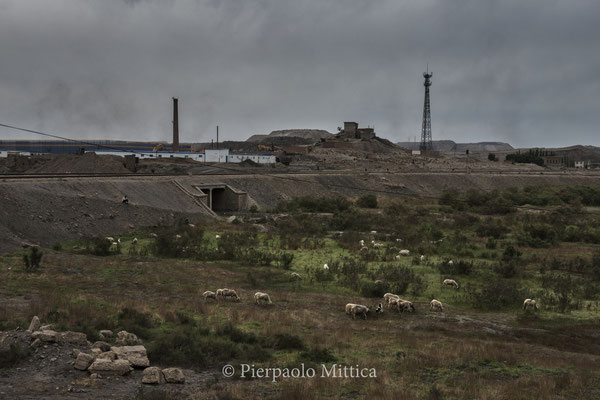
(426, 141)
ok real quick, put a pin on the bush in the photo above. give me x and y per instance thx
(32, 260)
(318, 355)
(285, 260)
(495, 294)
(559, 291)
(136, 322)
(285, 341)
(372, 289)
(314, 204)
(401, 280)
(506, 269)
(460, 267)
(367, 201)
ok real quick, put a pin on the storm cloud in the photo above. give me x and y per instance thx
(524, 72)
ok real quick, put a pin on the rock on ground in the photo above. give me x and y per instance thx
(153, 375)
(44, 336)
(35, 324)
(72, 337)
(136, 355)
(173, 375)
(127, 338)
(83, 361)
(106, 367)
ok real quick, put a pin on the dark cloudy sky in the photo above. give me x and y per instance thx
(525, 72)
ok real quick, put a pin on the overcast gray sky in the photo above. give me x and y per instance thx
(524, 72)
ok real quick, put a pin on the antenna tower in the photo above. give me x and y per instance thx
(426, 141)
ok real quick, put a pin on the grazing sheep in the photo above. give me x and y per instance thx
(377, 245)
(529, 303)
(209, 295)
(436, 305)
(450, 262)
(177, 237)
(110, 238)
(363, 249)
(296, 276)
(361, 243)
(217, 236)
(378, 282)
(387, 296)
(450, 282)
(398, 257)
(326, 267)
(191, 225)
(405, 306)
(398, 240)
(228, 293)
(379, 309)
(356, 309)
(405, 252)
(154, 235)
(134, 241)
(260, 296)
(422, 257)
(373, 232)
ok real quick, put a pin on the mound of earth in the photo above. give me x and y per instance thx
(450, 145)
(314, 135)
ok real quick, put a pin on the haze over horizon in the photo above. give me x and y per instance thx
(510, 71)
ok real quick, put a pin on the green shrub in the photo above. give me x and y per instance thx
(285, 260)
(136, 322)
(32, 260)
(286, 341)
(318, 355)
(460, 267)
(506, 269)
(367, 201)
(495, 294)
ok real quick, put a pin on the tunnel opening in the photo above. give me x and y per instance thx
(223, 198)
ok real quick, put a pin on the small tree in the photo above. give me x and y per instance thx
(367, 201)
(492, 157)
(32, 260)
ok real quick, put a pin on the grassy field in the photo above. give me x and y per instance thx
(483, 346)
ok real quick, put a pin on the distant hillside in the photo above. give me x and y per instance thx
(313, 135)
(450, 145)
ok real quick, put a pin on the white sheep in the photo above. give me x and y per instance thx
(177, 237)
(357, 309)
(436, 305)
(296, 276)
(405, 306)
(377, 245)
(373, 232)
(398, 240)
(154, 235)
(217, 237)
(326, 267)
(209, 295)
(529, 303)
(361, 243)
(110, 239)
(387, 296)
(191, 225)
(405, 253)
(398, 257)
(450, 282)
(363, 249)
(134, 241)
(260, 296)
(228, 293)
(422, 257)
(450, 262)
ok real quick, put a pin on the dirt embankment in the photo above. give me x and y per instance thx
(47, 211)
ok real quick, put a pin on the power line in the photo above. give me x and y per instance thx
(65, 138)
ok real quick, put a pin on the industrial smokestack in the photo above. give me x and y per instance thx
(175, 126)
(217, 136)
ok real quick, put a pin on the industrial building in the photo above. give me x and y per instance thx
(142, 150)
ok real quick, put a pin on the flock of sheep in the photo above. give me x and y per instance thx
(259, 297)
